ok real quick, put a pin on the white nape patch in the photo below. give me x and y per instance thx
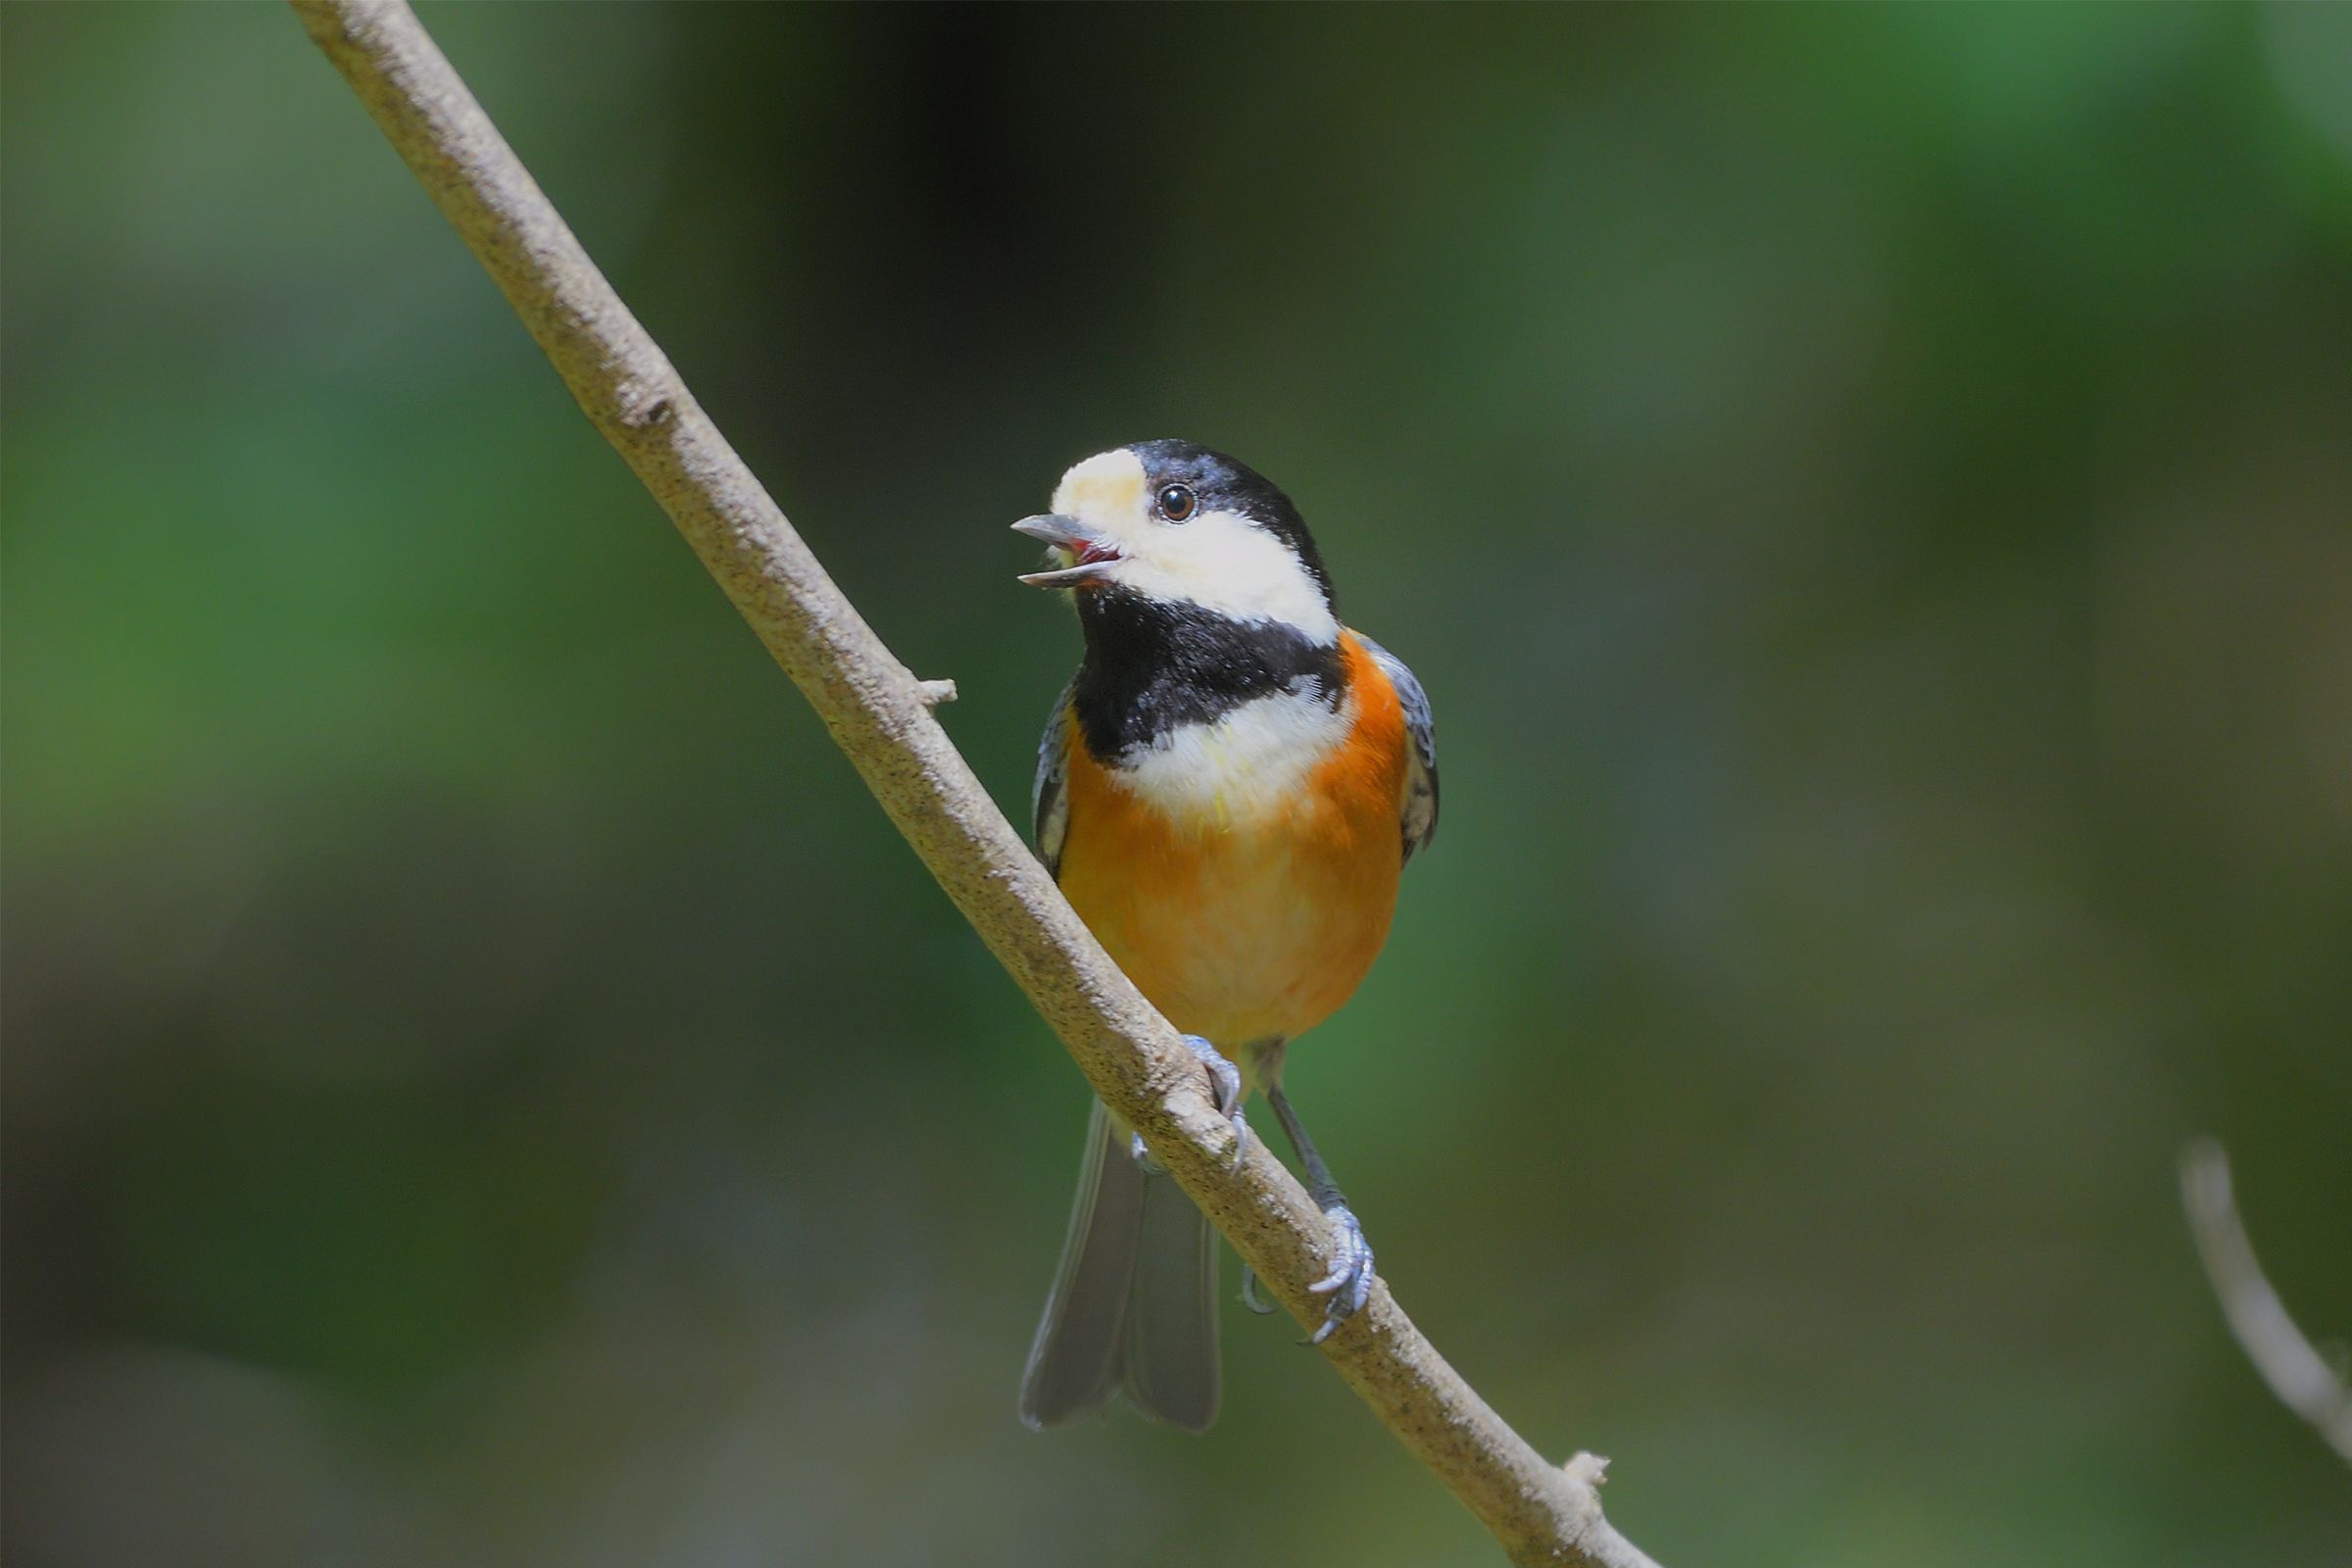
(1243, 769)
(1220, 561)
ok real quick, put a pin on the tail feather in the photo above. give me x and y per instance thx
(1134, 1303)
(1171, 1339)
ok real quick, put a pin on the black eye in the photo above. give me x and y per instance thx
(1176, 502)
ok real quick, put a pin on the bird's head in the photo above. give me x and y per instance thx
(1177, 526)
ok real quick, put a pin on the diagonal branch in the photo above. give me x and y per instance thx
(2297, 1373)
(879, 714)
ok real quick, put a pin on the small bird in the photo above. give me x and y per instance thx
(1227, 792)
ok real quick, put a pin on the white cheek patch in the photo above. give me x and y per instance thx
(1244, 769)
(1226, 563)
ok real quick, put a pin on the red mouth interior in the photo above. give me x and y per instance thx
(1094, 552)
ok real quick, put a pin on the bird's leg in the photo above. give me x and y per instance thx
(1349, 1281)
(1225, 1091)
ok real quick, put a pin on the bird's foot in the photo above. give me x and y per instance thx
(1225, 1091)
(1349, 1281)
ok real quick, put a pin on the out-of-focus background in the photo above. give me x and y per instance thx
(1869, 492)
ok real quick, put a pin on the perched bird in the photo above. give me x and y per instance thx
(1227, 792)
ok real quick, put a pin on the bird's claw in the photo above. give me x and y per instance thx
(1349, 1281)
(1225, 1090)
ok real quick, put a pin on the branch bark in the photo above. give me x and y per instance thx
(2296, 1372)
(880, 716)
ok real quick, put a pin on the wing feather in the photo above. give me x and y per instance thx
(1420, 810)
(1048, 809)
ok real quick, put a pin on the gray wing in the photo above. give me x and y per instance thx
(1049, 811)
(1421, 772)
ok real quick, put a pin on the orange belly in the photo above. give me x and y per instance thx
(1249, 930)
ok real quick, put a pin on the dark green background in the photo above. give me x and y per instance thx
(1869, 492)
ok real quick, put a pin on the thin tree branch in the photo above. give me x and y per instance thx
(2296, 1372)
(879, 714)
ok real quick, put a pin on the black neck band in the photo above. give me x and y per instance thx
(1153, 667)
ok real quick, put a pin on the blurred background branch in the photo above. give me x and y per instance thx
(879, 714)
(2295, 1370)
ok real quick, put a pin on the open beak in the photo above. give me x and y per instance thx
(1091, 556)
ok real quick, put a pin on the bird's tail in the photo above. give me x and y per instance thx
(1135, 1304)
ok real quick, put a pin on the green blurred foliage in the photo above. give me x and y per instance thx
(1867, 490)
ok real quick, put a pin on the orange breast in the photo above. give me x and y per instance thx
(1256, 928)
